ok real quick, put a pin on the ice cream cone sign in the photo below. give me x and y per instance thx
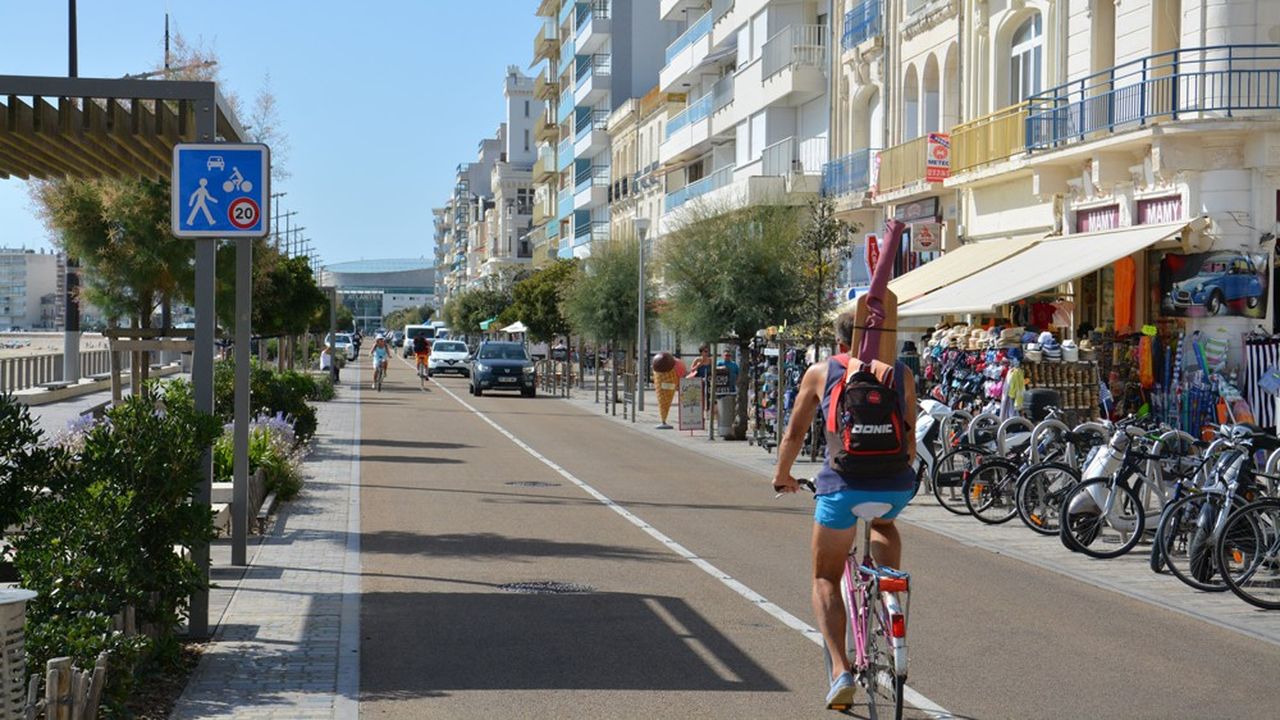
(667, 377)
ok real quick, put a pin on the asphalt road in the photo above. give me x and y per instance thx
(454, 508)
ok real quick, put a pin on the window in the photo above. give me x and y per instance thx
(526, 139)
(526, 108)
(1026, 55)
(757, 137)
(759, 33)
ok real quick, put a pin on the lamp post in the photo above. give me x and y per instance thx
(642, 231)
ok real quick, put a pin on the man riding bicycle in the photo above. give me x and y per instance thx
(886, 491)
(422, 353)
(380, 357)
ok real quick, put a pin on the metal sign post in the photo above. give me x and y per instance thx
(222, 190)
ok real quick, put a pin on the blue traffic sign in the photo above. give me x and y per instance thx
(221, 190)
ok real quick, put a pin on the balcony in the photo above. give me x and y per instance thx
(989, 139)
(688, 132)
(546, 88)
(792, 156)
(567, 56)
(546, 130)
(564, 206)
(1184, 85)
(545, 166)
(592, 74)
(792, 70)
(716, 180)
(565, 109)
(903, 169)
(546, 42)
(564, 155)
(592, 26)
(566, 11)
(848, 175)
(591, 187)
(590, 132)
(686, 53)
(674, 10)
(862, 23)
(795, 46)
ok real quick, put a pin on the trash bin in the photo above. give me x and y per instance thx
(724, 415)
(13, 661)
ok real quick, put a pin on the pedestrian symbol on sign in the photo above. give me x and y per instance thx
(197, 203)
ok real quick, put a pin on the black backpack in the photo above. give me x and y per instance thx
(867, 433)
(420, 344)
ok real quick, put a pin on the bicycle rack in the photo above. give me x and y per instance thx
(1002, 434)
(1043, 427)
(980, 422)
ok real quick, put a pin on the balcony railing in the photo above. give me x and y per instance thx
(591, 175)
(697, 30)
(795, 46)
(902, 165)
(714, 181)
(594, 120)
(1188, 83)
(861, 23)
(566, 107)
(989, 139)
(722, 92)
(598, 9)
(546, 39)
(698, 110)
(588, 65)
(849, 174)
(791, 155)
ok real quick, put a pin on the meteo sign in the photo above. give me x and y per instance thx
(221, 190)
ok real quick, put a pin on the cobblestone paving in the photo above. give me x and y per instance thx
(286, 646)
(1128, 575)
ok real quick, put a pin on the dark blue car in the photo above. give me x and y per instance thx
(503, 366)
(1223, 278)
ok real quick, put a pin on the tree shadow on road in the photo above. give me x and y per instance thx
(487, 545)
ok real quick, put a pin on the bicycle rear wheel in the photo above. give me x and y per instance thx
(1087, 529)
(949, 475)
(1249, 553)
(885, 687)
(988, 491)
(1039, 492)
(1187, 543)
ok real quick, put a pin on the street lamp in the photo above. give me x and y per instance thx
(642, 231)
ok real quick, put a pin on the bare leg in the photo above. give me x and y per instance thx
(886, 546)
(830, 549)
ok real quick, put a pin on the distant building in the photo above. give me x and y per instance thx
(32, 289)
(372, 289)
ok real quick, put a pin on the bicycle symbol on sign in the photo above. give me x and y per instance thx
(237, 182)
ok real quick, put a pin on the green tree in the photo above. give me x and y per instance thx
(602, 301)
(823, 243)
(538, 300)
(730, 273)
(415, 315)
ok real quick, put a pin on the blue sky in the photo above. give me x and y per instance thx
(380, 100)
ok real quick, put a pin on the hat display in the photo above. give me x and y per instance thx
(1033, 353)
(1010, 337)
(1070, 352)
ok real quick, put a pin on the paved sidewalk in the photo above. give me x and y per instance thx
(1129, 575)
(287, 643)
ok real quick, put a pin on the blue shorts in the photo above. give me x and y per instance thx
(836, 510)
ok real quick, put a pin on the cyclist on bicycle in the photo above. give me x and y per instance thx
(885, 494)
(380, 356)
(422, 353)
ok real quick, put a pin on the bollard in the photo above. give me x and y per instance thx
(13, 660)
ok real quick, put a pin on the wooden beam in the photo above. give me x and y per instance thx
(94, 118)
(20, 137)
(56, 125)
(148, 333)
(149, 345)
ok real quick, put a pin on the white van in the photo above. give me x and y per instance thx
(413, 331)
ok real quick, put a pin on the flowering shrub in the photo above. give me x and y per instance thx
(273, 447)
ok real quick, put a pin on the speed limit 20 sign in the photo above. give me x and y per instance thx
(221, 190)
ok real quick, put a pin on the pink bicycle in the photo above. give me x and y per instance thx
(876, 603)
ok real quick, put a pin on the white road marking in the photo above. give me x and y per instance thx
(912, 697)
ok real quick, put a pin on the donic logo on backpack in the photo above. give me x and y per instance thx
(886, 428)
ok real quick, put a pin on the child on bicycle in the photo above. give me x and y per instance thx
(890, 489)
(380, 356)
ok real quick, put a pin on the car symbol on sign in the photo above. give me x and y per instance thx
(215, 161)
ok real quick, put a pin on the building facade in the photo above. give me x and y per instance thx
(372, 289)
(32, 289)
(755, 127)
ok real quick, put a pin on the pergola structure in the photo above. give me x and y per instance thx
(60, 127)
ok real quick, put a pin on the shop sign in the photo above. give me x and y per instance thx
(1161, 210)
(691, 402)
(937, 166)
(1223, 282)
(926, 237)
(926, 209)
(1097, 219)
(875, 173)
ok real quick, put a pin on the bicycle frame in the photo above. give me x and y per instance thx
(869, 588)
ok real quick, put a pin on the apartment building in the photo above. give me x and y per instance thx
(505, 243)
(755, 128)
(637, 188)
(592, 57)
(1086, 141)
(32, 289)
(472, 193)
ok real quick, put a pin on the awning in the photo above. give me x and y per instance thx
(952, 266)
(1044, 266)
(486, 324)
(515, 327)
